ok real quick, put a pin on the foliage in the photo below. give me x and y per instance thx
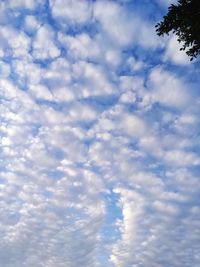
(183, 19)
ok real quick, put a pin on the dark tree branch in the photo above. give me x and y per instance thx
(183, 19)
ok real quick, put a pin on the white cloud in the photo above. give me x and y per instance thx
(181, 158)
(186, 124)
(8, 90)
(113, 57)
(110, 13)
(40, 92)
(80, 112)
(84, 47)
(94, 79)
(4, 69)
(18, 42)
(117, 26)
(27, 71)
(151, 144)
(31, 24)
(29, 4)
(70, 11)
(132, 125)
(166, 208)
(3, 14)
(63, 94)
(167, 89)
(134, 64)
(80, 46)
(128, 97)
(44, 46)
(173, 53)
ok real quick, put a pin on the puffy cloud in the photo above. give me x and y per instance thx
(31, 24)
(174, 54)
(17, 42)
(167, 89)
(40, 92)
(28, 4)
(81, 46)
(110, 12)
(181, 158)
(124, 31)
(44, 46)
(5, 70)
(132, 125)
(70, 11)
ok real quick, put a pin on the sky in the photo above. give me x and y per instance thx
(99, 137)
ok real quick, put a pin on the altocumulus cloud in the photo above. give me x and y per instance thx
(99, 137)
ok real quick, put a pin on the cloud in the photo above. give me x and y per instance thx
(28, 4)
(17, 42)
(5, 70)
(69, 11)
(181, 158)
(44, 46)
(110, 12)
(174, 54)
(81, 46)
(167, 89)
(132, 125)
(124, 31)
(31, 24)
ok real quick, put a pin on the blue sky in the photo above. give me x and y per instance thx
(99, 136)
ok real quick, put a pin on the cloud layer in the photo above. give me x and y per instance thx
(99, 138)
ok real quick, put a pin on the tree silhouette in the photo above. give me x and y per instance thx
(183, 19)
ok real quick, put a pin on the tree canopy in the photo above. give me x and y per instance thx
(183, 19)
